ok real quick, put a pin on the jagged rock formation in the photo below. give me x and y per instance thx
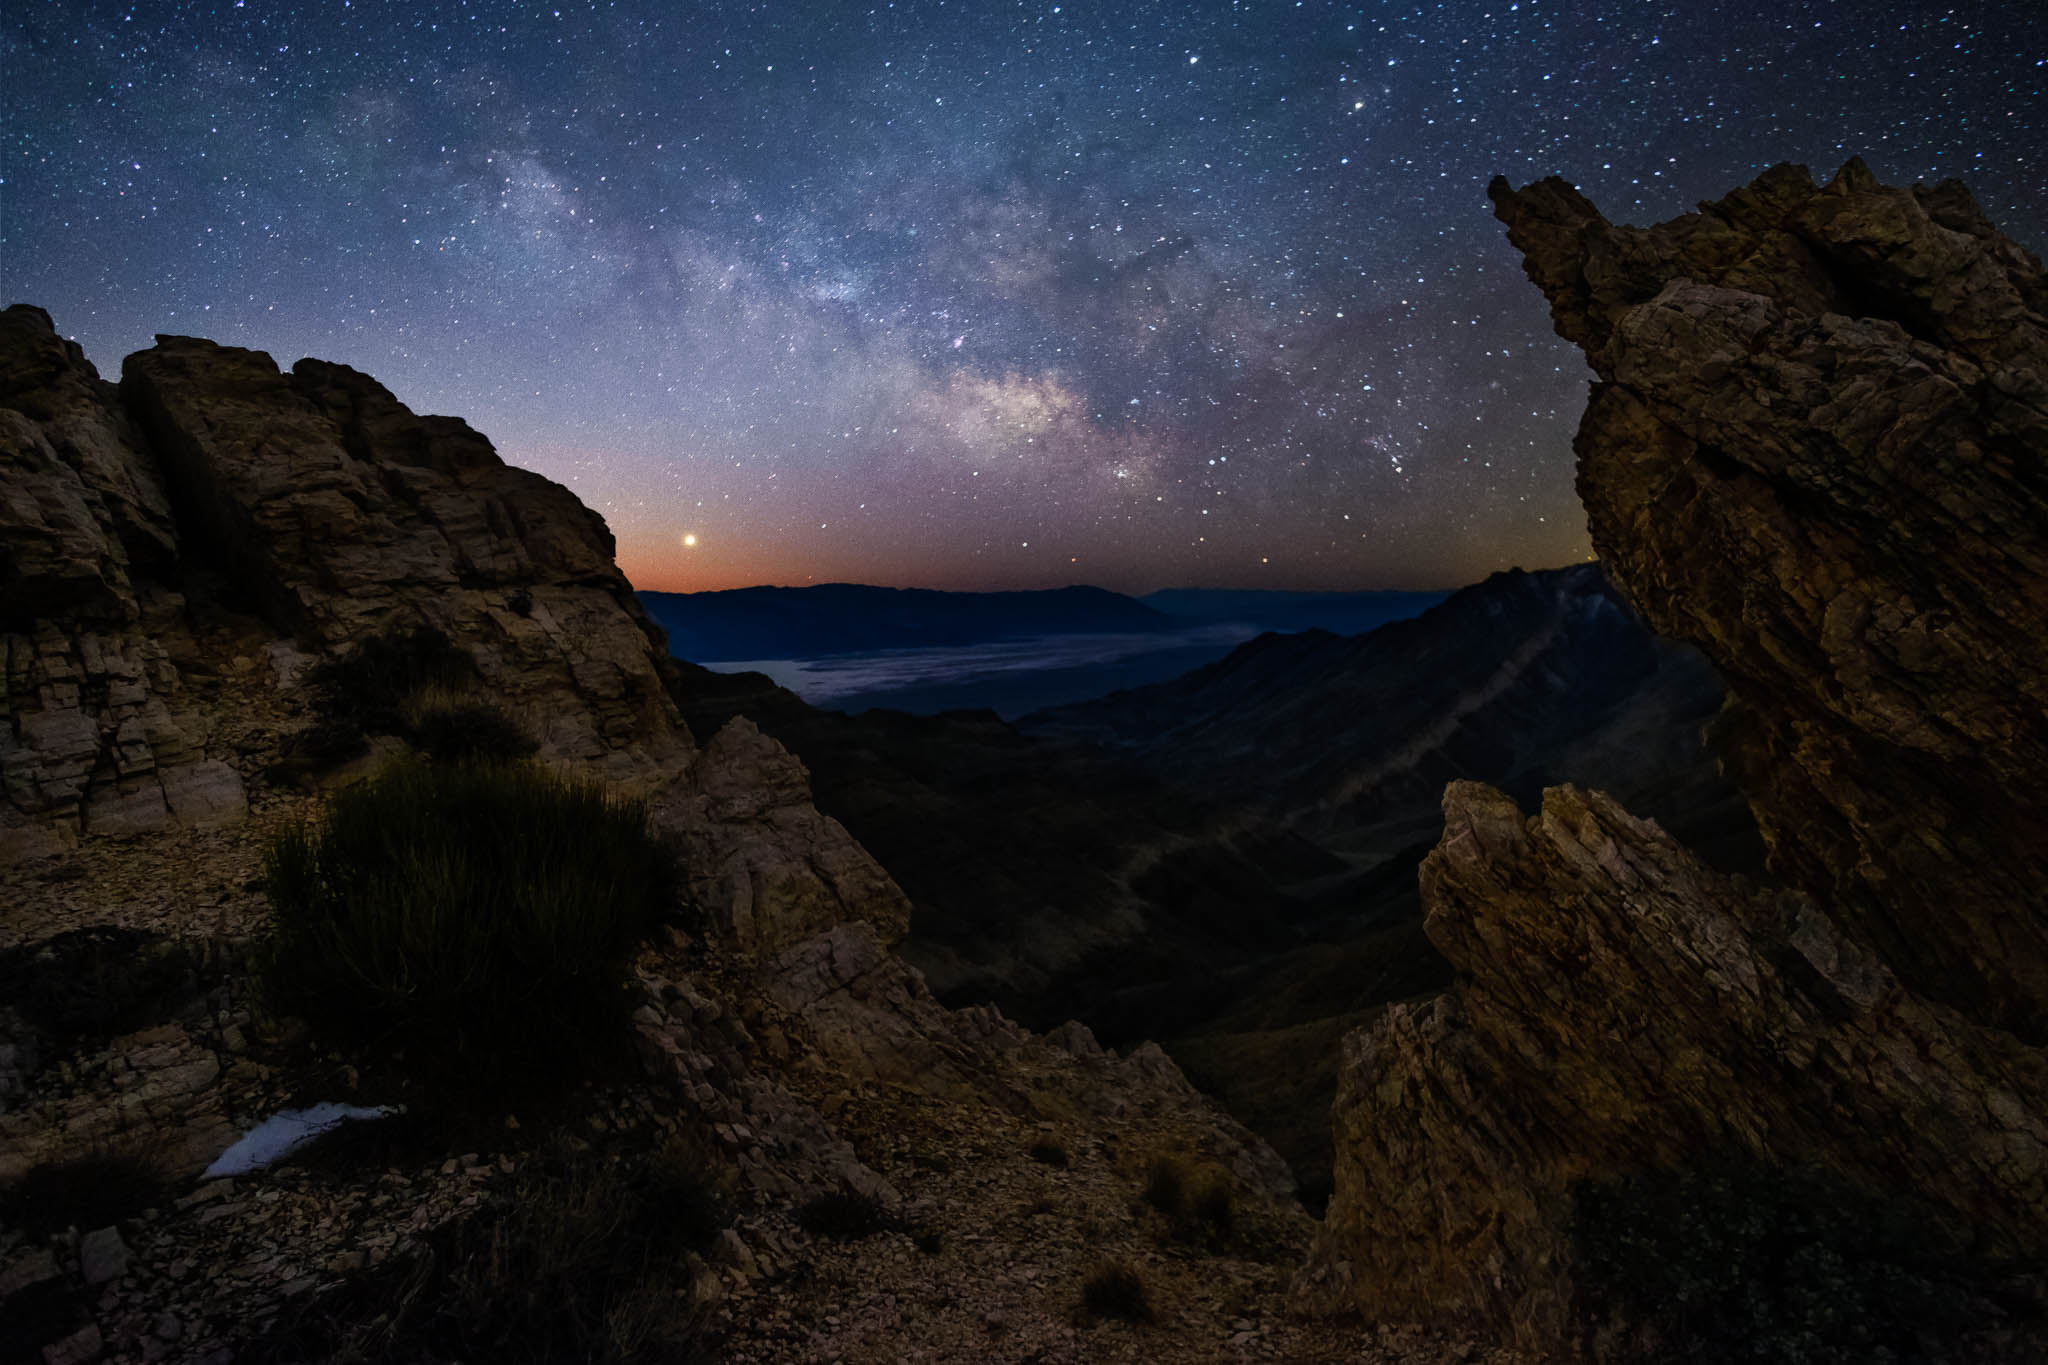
(1816, 451)
(1226, 863)
(340, 509)
(99, 730)
(1622, 1006)
(138, 520)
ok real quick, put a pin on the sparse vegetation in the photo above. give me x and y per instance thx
(1746, 1263)
(372, 682)
(1198, 1207)
(1051, 1152)
(842, 1215)
(80, 988)
(409, 681)
(1114, 1290)
(478, 918)
(1166, 1185)
(580, 1260)
(466, 731)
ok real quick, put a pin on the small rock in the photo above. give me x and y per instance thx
(102, 1256)
(80, 1348)
(166, 1327)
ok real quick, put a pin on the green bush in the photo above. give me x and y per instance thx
(479, 918)
(1746, 1263)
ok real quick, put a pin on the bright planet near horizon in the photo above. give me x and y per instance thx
(959, 295)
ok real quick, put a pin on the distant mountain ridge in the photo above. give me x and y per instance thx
(850, 618)
(1341, 613)
(847, 618)
(1527, 678)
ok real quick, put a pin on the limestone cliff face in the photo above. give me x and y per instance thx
(1816, 451)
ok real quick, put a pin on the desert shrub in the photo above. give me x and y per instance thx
(842, 1215)
(1115, 1290)
(467, 731)
(1214, 1207)
(1197, 1207)
(324, 745)
(1166, 1185)
(374, 689)
(86, 1192)
(480, 918)
(1050, 1152)
(80, 988)
(580, 1260)
(1745, 1263)
(371, 683)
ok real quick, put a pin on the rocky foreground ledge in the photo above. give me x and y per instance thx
(181, 556)
(1818, 450)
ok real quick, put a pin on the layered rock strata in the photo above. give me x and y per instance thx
(1816, 451)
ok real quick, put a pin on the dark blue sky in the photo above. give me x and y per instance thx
(958, 295)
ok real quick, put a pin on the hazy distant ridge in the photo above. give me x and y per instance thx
(852, 618)
(848, 618)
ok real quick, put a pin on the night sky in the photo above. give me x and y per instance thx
(964, 295)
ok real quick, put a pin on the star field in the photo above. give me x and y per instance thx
(959, 294)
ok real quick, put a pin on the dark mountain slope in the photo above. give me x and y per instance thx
(841, 618)
(1527, 679)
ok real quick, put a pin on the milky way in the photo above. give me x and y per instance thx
(959, 295)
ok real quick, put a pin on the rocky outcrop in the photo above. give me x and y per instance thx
(344, 512)
(1816, 452)
(176, 555)
(1622, 1006)
(140, 523)
(98, 730)
(760, 858)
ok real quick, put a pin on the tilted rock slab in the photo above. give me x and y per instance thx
(1622, 1006)
(1819, 451)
